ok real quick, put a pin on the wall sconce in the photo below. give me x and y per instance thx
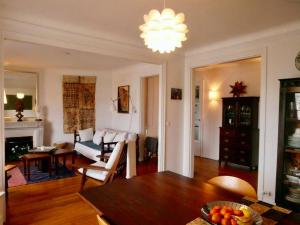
(20, 95)
(4, 97)
(213, 95)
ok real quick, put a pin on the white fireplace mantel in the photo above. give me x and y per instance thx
(26, 128)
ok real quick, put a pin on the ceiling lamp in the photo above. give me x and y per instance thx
(163, 31)
(20, 95)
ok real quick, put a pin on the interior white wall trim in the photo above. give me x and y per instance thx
(26, 32)
(2, 152)
(162, 118)
(188, 156)
(265, 34)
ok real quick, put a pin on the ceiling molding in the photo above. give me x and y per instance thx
(26, 32)
(270, 33)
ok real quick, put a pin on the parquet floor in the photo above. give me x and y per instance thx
(57, 202)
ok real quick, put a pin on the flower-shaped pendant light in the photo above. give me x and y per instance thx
(163, 31)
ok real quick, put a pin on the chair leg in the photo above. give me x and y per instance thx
(83, 180)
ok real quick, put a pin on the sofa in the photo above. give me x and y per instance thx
(91, 144)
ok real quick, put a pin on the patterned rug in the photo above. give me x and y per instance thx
(36, 175)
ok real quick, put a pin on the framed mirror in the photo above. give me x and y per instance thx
(20, 86)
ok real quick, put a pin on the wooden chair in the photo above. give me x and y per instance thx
(101, 171)
(102, 221)
(234, 184)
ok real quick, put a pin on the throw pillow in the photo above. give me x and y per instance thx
(86, 135)
(109, 137)
(98, 136)
(132, 137)
(120, 137)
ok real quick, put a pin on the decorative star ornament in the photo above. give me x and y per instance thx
(238, 88)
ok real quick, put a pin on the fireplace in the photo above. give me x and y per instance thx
(16, 147)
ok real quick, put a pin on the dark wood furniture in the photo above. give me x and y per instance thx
(239, 132)
(62, 153)
(162, 198)
(288, 159)
(35, 157)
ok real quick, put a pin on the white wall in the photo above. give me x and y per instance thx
(131, 76)
(174, 115)
(279, 54)
(218, 78)
(50, 91)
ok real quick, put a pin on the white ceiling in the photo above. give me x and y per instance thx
(209, 21)
(20, 54)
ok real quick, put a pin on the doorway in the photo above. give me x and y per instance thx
(215, 82)
(150, 122)
(197, 119)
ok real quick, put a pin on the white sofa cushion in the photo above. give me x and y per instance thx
(98, 136)
(87, 151)
(109, 137)
(96, 174)
(86, 134)
(121, 136)
(131, 137)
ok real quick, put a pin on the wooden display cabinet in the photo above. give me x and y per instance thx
(288, 159)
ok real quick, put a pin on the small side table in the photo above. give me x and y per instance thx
(62, 153)
(7, 168)
(28, 158)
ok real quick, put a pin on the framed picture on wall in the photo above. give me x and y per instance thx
(123, 99)
(176, 93)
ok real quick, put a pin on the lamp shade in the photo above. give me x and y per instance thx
(165, 31)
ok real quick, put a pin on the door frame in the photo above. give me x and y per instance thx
(188, 156)
(142, 104)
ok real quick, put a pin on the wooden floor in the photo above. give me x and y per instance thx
(57, 202)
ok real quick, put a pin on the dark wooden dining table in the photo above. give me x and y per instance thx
(164, 198)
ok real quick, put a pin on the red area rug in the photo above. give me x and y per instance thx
(17, 178)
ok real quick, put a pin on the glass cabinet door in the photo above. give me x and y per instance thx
(291, 164)
(230, 115)
(245, 115)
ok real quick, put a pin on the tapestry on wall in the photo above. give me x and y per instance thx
(79, 102)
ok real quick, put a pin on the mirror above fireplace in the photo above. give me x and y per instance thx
(20, 86)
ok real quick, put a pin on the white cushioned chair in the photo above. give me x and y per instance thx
(101, 171)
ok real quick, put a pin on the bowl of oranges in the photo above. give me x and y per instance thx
(230, 213)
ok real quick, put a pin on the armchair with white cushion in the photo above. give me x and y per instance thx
(104, 171)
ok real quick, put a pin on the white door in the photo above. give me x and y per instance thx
(151, 125)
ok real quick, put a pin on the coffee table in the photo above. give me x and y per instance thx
(28, 158)
(62, 153)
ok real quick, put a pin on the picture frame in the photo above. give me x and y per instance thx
(176, 93)
(123, 99)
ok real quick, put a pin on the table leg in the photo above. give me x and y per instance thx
(28, 169)
(56, 164)
(64, 160)
(24, 162)
(49, 166)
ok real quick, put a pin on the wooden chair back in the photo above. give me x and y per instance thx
(234, 184)
(115, 161)
(102, 221)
